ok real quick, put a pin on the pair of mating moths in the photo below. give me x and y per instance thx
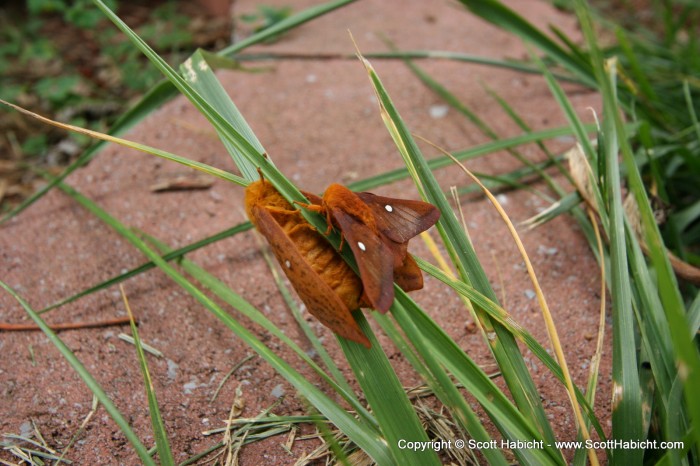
(376, 228)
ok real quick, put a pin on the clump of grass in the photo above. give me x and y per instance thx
(655, 361)
(651, 80)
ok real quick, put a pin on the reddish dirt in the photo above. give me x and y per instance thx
(319, 122)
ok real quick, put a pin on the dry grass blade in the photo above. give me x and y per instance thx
(239, 432)
(443, 428)
(581, 173)
(229, 439)
(24, 451)
(146, 347)
(229, 374)
(133, 145)
(595, 360)
(65, 326)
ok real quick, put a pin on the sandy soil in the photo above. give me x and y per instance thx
(319, 122)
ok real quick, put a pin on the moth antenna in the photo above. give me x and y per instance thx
(260, 174)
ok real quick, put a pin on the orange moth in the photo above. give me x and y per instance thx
(323, 280)
(377, 230)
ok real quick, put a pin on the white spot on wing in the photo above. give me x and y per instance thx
(389, 208)
(361, 245)
(288, 264)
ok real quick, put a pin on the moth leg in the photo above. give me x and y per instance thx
(320, 210)
(312, 207)
(342, 241)
(330, 225)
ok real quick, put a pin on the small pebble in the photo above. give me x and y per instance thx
(439, 111)
(278, 391)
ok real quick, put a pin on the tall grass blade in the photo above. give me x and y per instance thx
(434, 374)
(172, 255)
(627, 408)
(500, 15)
(395, 414)
(157, 424)
(200, 76)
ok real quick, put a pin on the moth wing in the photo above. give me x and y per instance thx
(313, 198)
(409, 276)
(399, 251)
(374, 260)
(320, 299)
(400, 219)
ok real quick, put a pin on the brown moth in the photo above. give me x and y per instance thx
(323, 280)
(377, 230)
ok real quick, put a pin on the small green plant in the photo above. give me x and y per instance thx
(84, 77)
(80, 13)
(266, 17)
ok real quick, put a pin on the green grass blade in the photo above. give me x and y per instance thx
(652, 324)
(627, 409)
(581, 131)
(151, 101)
(686, 355)
(513, 65)
(208, 169)
(199, 74)
(395, 414)
(694, 316)
(286, 25)
(173, 255)
(627, 423)
(84, 374)
(484, 127)
(451, 99)
(565, 204)
(468, 154)
(439, 381)
(511, 422)
(223, 126)
(691, 107)
(639, 77)
(511, 112)
(498, 14)
(157, 424)
(499, 314)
